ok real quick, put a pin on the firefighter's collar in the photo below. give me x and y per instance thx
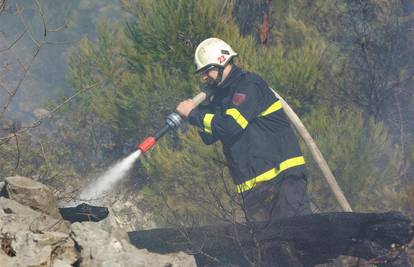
(234, 74)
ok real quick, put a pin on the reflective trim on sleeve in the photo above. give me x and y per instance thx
(274, 107)
(208, 118)
(238, 117)
(271, 174)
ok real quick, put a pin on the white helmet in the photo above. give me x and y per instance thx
(212, 52)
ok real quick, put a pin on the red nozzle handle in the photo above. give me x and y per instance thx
(146, 144)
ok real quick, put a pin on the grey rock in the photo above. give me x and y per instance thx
(33, 194)
(31, 238)
(15, 217)
(32, 234)
(119, 252)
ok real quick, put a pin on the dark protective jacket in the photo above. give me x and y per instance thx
(258, 141)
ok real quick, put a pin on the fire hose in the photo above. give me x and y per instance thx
(174, 120)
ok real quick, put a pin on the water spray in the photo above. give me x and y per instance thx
(93, 193)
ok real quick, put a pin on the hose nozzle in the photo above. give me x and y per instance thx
(146, 144)
(174, 120)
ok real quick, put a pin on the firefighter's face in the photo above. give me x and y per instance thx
(209, 76)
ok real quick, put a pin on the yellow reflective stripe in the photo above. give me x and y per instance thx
(274, 107)
(208, 118)
(269, 175)
(238, 117)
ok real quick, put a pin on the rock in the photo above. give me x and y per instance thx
(128, 216)
(119, 252)
(6, 260)
(15, 217)
(31, 238)
(33, 233)
(2, 189)
(33, 194)
(65, 254)
(124, 215)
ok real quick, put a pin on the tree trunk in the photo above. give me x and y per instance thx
(311, 239)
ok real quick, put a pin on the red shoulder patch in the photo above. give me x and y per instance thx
(238, 98)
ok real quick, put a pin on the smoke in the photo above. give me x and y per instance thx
(94, 193)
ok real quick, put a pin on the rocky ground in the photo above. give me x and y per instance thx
(33, 233)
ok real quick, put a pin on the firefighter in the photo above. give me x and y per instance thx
(260, 147)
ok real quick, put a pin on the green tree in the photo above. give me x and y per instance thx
(361, 156)
(142, 73)
(190, 183)
(373, 71)
(143, 70)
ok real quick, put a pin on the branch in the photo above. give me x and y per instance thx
(14, 42)
(60, 28)
(68, 100)
(43, 18)
(13, 93)
(39, 121)
(18, 152)
(2, 6)
(34, 40)
(44, 157)
(26, 69)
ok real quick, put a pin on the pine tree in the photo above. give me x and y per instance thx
(143, 70)
(361, 156)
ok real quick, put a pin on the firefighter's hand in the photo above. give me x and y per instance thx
(185, 107)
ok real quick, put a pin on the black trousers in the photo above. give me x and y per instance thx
(277, 199)
(270, 201)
